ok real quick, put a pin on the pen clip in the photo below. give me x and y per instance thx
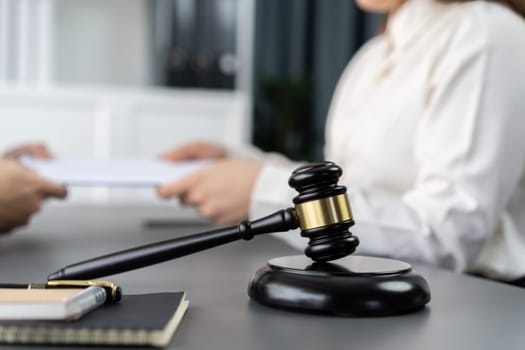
(113, 292)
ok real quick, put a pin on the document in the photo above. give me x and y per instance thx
(112, 172)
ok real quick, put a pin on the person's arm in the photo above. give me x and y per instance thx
(470, 151)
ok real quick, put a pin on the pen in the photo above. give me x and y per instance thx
(113, 292)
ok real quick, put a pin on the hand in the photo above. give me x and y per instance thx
(36, 150)
(220, 192)
(195, 150)
(21, 194)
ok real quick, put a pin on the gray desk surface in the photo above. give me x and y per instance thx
(465, 312)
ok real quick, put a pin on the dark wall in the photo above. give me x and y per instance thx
(301, 48)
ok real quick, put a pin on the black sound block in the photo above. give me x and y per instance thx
(356, 286)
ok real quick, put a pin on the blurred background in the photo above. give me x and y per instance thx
(132, 78)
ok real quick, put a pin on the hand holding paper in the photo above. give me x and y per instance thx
(220, 192)
(22, 193)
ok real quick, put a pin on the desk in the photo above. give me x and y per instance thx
(465, 312)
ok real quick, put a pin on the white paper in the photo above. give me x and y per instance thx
(112, 172)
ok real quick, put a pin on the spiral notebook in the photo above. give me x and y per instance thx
(137, 320)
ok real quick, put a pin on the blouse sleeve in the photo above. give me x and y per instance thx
(470, 151)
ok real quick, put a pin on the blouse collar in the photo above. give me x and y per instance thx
(410, 20)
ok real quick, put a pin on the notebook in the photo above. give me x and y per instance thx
(49, 304)
(137, 320)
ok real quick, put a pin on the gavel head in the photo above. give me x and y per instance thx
(323, 211)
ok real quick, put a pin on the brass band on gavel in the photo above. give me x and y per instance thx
(323, 212)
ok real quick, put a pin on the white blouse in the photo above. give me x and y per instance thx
(428, 124)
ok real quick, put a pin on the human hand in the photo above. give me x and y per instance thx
(195, 150)
(220, 192)
(21, 194)
(36, 150)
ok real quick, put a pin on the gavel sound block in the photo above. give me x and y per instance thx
(327, 279)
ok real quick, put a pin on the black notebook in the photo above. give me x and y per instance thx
(137, 320)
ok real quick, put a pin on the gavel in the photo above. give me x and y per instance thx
(323, 214)
(322, 211)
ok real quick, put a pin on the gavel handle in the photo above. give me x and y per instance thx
(134, 258)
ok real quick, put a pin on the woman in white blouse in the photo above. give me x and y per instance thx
(428, 124)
